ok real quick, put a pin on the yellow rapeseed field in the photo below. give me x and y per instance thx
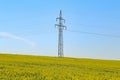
(22, 67)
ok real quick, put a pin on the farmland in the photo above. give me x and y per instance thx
(24, 67)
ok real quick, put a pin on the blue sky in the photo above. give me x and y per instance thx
(27, 27)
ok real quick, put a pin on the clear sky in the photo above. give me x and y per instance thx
(27, 27)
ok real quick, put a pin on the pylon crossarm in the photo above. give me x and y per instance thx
(57, 19)
(57, 25)
(64, 27)
(63, 20)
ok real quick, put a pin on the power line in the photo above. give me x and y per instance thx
(76, 31)
(98, 34)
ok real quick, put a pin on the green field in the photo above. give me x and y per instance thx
(22, 67)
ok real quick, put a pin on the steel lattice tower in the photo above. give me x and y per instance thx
(61, 27)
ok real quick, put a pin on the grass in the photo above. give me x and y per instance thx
(23, 67)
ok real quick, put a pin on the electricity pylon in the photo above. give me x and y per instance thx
(61, 27)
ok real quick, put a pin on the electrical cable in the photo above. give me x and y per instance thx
(99, 34)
